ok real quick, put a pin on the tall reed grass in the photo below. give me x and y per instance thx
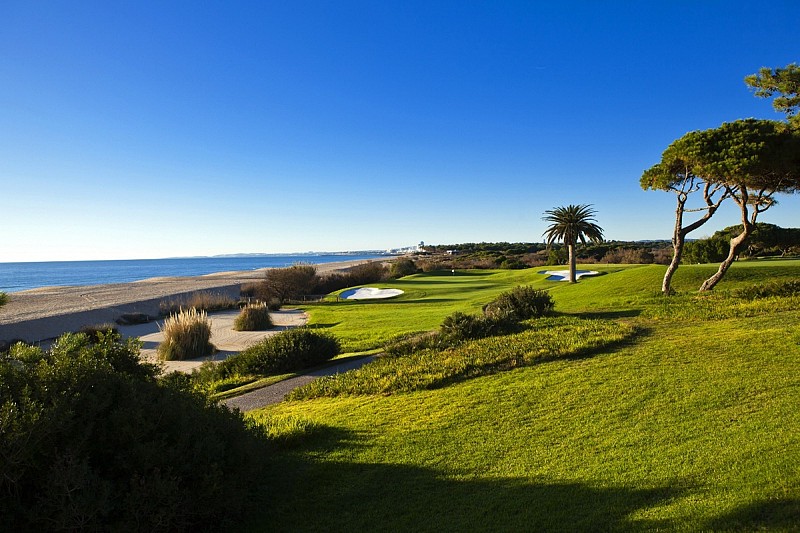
(202, 301)
(187, 335)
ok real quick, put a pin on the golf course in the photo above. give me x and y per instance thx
(622, 409)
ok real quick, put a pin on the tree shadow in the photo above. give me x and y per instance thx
(611, 315)
(773, 515)
(323, 325)
(311, 493)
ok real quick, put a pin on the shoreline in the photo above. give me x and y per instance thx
(47, 312)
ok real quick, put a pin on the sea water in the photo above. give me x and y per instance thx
(23, 276)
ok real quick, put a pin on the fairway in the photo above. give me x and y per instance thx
(690, 426)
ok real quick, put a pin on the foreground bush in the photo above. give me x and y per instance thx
(91, 440)
(187, 335)
(546, 339)
(254, 317)
(287, 351)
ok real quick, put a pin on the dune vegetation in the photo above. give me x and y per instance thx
(624, 410)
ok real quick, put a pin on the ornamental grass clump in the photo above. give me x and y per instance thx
(253, 317)
(187, 335)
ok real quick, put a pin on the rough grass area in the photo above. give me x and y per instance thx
(691, 425)
(544, 340)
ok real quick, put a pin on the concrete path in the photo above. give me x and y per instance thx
(273, 394)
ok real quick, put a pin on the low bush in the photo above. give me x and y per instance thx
(403, 267)
(3, 299)
(95, 330)
(789, 287)
(187, 335)
(287, 351)
(202, 301)
(460, 327)
(520, 303)
(91, 440)
(253, 317)
(131, 319)
(414, 342)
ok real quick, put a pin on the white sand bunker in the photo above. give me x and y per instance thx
(369, 293)
(563, 275)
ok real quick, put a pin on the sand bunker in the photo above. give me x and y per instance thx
(563, 275)
(369, 293)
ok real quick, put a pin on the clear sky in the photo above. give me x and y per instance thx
(140, 129)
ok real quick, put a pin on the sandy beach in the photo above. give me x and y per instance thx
(47, 312)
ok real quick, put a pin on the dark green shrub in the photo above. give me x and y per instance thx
(790, 287)
(413, 342)
(3, 299)
(95, 330)
(92, 440)
(403, 267)
(461, 327)
(520, 303)
(287, 351)
(254, 317)
(131, 319)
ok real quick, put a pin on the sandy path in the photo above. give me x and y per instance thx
(45, 313)
(223, 336)
(273, 394)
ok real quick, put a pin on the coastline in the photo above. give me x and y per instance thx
(45, 313)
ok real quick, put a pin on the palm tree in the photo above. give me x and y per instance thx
(570, 224)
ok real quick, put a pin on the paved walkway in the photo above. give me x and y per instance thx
(273, 394)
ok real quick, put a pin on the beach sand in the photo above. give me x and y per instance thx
(47, 312)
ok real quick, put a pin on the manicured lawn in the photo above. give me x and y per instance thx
(690, 425)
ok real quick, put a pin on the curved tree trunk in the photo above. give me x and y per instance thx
(736, 242)
(679, 233)
(677, 254)
(572, 265)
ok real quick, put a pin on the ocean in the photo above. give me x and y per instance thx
(16, 277)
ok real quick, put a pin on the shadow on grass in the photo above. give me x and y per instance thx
(773, 515)
(315, 495)
(611, 315)
(323, 325)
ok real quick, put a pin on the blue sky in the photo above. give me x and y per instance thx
(154, 129)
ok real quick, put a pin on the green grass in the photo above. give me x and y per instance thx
(691, 425)
(427, 300)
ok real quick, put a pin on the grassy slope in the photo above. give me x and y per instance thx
(693, 426)
(432, 296)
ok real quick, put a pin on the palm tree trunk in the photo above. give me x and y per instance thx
(571, 248)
